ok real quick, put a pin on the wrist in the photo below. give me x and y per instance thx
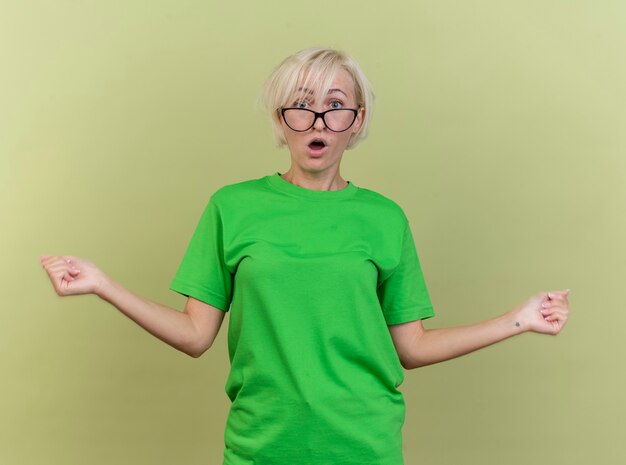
(517, 321)
(103, 287)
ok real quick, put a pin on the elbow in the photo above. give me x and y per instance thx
(415, 362)
(409, 364)
(195, 348)
(408, 339)
(194, 353)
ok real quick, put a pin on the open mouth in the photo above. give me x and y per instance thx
(317, 145)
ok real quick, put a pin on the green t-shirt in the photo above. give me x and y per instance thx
(313, 278)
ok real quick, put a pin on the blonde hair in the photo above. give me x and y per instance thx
(315, 68)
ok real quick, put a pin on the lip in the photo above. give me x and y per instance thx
(316, 153)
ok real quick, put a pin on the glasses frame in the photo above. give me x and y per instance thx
(319, 115)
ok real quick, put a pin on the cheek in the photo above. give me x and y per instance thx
(341, 141)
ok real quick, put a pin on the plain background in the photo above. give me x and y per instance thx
(499, 127)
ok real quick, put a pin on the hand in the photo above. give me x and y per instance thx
(72, 275)
(545, 312)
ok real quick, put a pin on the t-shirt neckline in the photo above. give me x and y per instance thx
(285, 186)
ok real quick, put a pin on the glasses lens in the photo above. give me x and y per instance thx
(298, 119)
(340, 119)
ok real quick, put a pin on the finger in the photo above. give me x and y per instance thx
(64, 275)
(561, 299)
(553, 302)
(72, 271)
(551, 327)
(555, 298)
(61, 287)
(57, 267)
(54, 261)
(62, 259)
(556, 327)
(557, 315)
(46, 260)
(60, 264)
(69, 274)
(57, 280)
(552, 316)
(555, 308)
(561, 323)
(559, 294)
(58, 272)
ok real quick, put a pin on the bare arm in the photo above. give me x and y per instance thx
(191, 331)
(417, 346)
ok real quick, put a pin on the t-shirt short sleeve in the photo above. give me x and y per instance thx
(403, 294)
(203, 273)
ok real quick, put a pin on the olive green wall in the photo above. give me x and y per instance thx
(499, 128)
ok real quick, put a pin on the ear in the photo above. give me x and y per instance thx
(356, 128)
(360, 117)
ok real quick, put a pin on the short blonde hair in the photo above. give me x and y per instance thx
(316, 68)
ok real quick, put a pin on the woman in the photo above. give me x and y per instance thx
(325, 286)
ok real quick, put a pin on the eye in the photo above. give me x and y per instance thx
(300, 104)
(335, 104)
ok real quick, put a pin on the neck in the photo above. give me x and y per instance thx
(315, 181)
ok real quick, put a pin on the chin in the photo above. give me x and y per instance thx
(319, 164)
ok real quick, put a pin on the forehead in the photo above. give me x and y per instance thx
(342, 82)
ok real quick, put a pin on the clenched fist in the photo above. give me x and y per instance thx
(72, 275)
(545, 312)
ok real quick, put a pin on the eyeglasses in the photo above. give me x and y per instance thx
(303, 119)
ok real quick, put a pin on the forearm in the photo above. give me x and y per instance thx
(437, 345)
(168, 324)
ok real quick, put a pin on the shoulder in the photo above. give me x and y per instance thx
(382, 205)
(237, 191)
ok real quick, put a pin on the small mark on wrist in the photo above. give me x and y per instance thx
(517, 324)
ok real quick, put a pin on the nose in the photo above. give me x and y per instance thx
(319, 123)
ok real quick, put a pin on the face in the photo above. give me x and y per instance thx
(310, 155)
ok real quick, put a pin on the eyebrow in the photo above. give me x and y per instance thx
(330, 91)
(337, 90)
